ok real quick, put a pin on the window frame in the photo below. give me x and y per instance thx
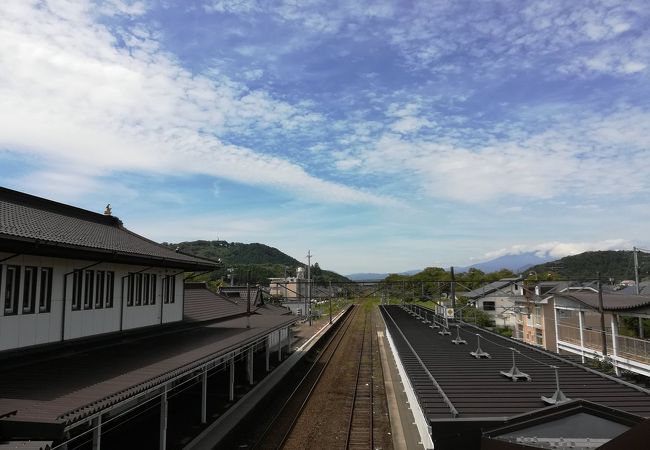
(110, 289)
(12, 297)
(45, 290)
(29, 282)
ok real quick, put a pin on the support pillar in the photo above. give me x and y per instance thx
(268, 353)
(249, 365)
(288, 340)
(97, 433)
(641, 331)
(557, 333)
(204, 395)
(163, 419)
(614, 344)
(231, 386)
(581, 318)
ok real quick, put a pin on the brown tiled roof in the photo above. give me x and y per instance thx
(202, 304)
(34, 224)
(611, 302)
(85, 382)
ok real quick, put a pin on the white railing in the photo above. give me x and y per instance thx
(629, 353)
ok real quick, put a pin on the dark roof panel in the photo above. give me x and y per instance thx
(477, 389)
(611, 302)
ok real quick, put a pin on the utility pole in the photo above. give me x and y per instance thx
(636, 269)
(309, 255)
(331, 295)
(248, 297)
(453, 290)
(601, 310)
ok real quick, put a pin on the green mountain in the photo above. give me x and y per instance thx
(618, 265)
(255, 262)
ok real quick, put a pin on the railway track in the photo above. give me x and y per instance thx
(360, 427)
(280, 427)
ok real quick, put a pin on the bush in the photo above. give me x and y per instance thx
(504, 331)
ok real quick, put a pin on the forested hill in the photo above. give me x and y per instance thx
(264, 262)
(618, 265)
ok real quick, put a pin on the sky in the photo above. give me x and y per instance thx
(382, 136)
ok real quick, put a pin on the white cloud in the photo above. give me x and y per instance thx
(72, 96)
(560, 249)
(578, 155)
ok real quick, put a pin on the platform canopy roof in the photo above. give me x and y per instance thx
(611, 302)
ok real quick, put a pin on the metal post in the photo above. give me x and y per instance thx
(288, 340)
(231, 391)
(249, 365)
(636, 269)
(204, 395)
(268, 353)
(248, 300)
(163, 419)
(641, 330)
(97, 433)
(309, 255)
(601, 310)
(614, 323)
(331, 295)
(453, 291)
(279, 345)
(581, 315)
(557, 329)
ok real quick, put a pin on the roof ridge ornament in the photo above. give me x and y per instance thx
(558, 397)
(479, 353)
(514, 372)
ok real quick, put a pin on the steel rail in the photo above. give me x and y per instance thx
(355, 398)
(333, 344)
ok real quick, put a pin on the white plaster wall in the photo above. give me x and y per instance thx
(24, 330)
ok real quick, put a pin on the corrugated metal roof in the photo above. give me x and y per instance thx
(611, 302)
(24, 217)
(477, 389)
(490, 288)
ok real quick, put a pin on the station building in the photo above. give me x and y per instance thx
(96, 323)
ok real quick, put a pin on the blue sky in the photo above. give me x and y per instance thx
(381, 135)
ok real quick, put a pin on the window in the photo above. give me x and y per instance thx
(539, 337)
(130, 295)
(110, 276)
(29, 289)
(77, 284)
(146, 285)
(489, 306)
(45, 295)
(152, 290)
(138, 289)
(100, 280)
(12, 288)
(169, 288)
(89, 282)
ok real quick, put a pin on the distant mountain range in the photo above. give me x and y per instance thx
(516, 263)
(370, 276)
